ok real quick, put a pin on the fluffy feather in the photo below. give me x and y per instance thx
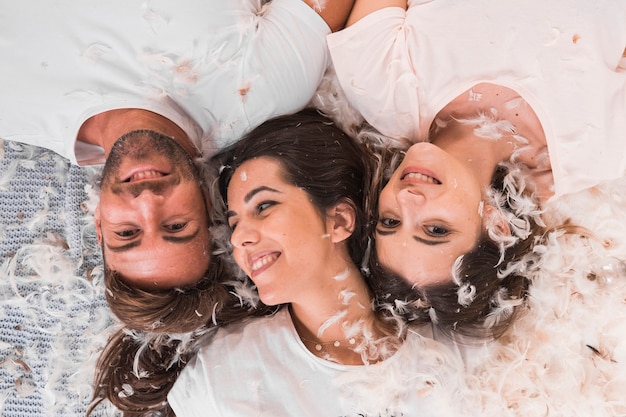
(564, 356)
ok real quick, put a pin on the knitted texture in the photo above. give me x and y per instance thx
(53, 316)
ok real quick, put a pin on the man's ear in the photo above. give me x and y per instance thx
(494, 223)
(340, 221)
(96, 220)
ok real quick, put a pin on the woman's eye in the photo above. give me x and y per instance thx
(388, 222)
(436, 231)
(175, 227)
(264, 206)
(128, 233)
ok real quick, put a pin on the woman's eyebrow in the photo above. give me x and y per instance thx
(385, 232)
(429, 242)
(250, 196)
(257, 190)
(416, 238)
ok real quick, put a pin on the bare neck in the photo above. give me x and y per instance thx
(481, 155)
(324, 317)
(104, 129)
(318, 308)
(485, 154)
(502, 101)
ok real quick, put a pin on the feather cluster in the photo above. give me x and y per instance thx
(564, 356)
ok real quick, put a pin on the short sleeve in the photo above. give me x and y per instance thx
(285, 61)
(372, 59)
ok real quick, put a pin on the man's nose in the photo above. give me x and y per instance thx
(146, 202)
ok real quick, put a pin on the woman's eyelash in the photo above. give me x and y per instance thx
(264, 205)
(388, 223)
(436, 231)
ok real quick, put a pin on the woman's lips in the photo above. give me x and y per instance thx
(418, 175)
(259, 263)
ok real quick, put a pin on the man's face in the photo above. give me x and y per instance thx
(152, 219)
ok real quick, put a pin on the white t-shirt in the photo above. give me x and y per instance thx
(217, 68)
(261, 368)
(400, 68)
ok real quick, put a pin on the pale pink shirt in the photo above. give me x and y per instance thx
(400, 68)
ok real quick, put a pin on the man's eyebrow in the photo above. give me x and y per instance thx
(125, 247)
(168, 238)
(181, 239)
(251, 195)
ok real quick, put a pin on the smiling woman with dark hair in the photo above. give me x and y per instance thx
(295, 191)
(525, 106)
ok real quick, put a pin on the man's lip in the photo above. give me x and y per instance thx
(143, 173)
(421, 171)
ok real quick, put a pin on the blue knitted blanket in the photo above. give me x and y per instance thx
(53, 316)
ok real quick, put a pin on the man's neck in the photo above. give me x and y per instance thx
(104, 129)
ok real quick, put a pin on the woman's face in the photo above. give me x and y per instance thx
(279, 237)
(430, 213)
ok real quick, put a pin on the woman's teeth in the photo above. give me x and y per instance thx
(421, 177)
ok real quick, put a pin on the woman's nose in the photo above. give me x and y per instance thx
(410, 198)
(244, 235)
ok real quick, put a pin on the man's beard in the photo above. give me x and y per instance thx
(140, 146)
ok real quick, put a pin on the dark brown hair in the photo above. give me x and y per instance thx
(318, 157)
(495, 276)
(330, 166)
(141, 361)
